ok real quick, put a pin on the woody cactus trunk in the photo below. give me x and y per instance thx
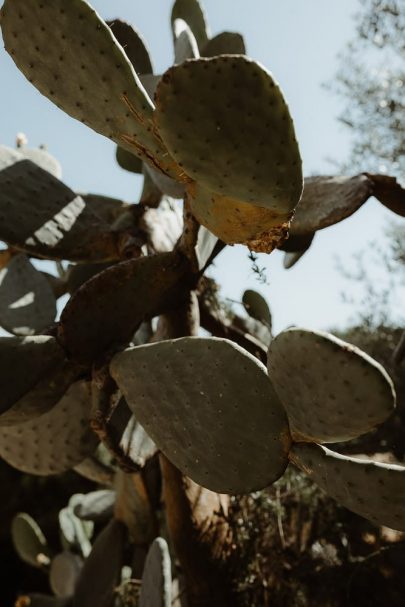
(168, 422)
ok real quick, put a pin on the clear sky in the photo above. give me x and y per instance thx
(298, 41)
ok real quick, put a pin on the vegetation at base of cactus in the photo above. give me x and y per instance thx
(323, 404)
(210, 433)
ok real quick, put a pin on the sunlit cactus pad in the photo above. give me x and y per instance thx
(332, 390)
(156, 588)
(210, 407)
(55, 441)
(69, 53)
(193, 14)
(232, 106)
(41, 215)
(237, 222)
(373, 490)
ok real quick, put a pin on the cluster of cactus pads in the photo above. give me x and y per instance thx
(215, 131)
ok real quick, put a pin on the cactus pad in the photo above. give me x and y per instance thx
(332, 391)
(211, 409)
(373, 490)
(72, 57)
(29, 541)
(232, 105)
(133, 44)
(54, 442)
(64, 572)
(102, 569)
(225, 43)
(328, 200)
(156, 587)
(105, 312)
(27, 302)
(236, 222)
(185, 44)
(41, 215)
(24, 362)
(256, 306)
(43, 159)
(128, 161)
(192, 13)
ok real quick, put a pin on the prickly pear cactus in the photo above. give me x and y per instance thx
(332, 391)
(156, 588)
(55, 441)
(373, 490)
(213, 411)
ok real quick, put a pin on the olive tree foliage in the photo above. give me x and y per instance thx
(370, 80)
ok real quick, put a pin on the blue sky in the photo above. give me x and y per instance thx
(298, 41)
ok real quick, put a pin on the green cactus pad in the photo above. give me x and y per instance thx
(133, 44)
(156, 587)
(373, 490)
(225, 43)
(27, 302)
(236, 222)
(328, 200)
(331, 390)
(64, 572)
(72, 57)
(105, 312)
(24, 362)
(102, 569)
(211, 410)
(192, 13)
(232, 105)
(41, 215)
(29, 541)
(54, 442)
(256, 306)
(185, 44)
(128, 161)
